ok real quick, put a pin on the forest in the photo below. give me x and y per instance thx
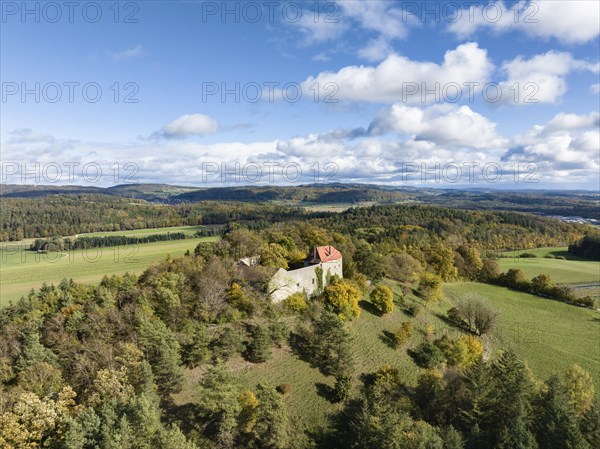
(98, 366)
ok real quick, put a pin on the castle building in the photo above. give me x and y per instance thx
(322, 263)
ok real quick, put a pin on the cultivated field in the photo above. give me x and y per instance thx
(21, 270)
(571, 270)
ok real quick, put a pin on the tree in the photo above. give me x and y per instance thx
(464, 351)
(296, 302)
(330, 345)
(342, 297)
(219, 404)
(541, 284)
(383, 299)
(197, 349)
(259, 348)
(580, 388)
(555, 422)
(430, 287)
(271, 429)
(368, 262)
(474, 314)
(342, 387)
(441, 259)
(163, 352)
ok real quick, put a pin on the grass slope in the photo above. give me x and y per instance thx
(573, 270)
(22, 270)
(550, 335)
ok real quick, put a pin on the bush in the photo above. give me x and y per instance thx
(527, 255)
(427, 355)
(383, 299)
(403, 333)
(296, 303)
(284, 389)
(415, 309)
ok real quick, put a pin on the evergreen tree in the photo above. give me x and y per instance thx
(555, 422)
(259, 348)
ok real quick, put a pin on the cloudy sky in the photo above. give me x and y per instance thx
(502, 94)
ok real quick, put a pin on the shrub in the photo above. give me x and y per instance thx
(383, 299)
(284, 389)
(415, 309)
(403, 333)
(527, 255)
(427, 355)
(296, 302)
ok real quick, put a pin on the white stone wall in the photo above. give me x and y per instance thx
(285, 283)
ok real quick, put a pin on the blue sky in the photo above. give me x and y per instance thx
(367, 55)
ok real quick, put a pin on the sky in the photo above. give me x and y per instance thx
(213, 93)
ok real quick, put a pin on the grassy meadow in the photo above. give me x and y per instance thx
(549, 335)
(571, 270)
(21, 269)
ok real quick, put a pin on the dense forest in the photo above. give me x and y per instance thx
(65, 215)
(95, 366)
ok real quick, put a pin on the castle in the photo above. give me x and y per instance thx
(319, 266)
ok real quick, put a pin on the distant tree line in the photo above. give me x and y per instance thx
(67, 244)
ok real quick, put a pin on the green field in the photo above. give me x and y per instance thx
(21, 270)
(550, 335)
(187, 230)
(573, 270)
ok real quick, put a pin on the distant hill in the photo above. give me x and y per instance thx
(584, 204)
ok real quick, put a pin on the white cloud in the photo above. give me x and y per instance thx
(130, 53)
(320, 30)
(540, 79)
(376, 50)
(391, 79)
(572, 21)
(567, 146)
(595, 88)
(564, 122)
(443, 125)
(190, 125)
(379, 16)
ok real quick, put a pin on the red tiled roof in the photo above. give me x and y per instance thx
(327, 253)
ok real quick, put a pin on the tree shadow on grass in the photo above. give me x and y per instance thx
(368, 307)
(325, 391)
(389, 339)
